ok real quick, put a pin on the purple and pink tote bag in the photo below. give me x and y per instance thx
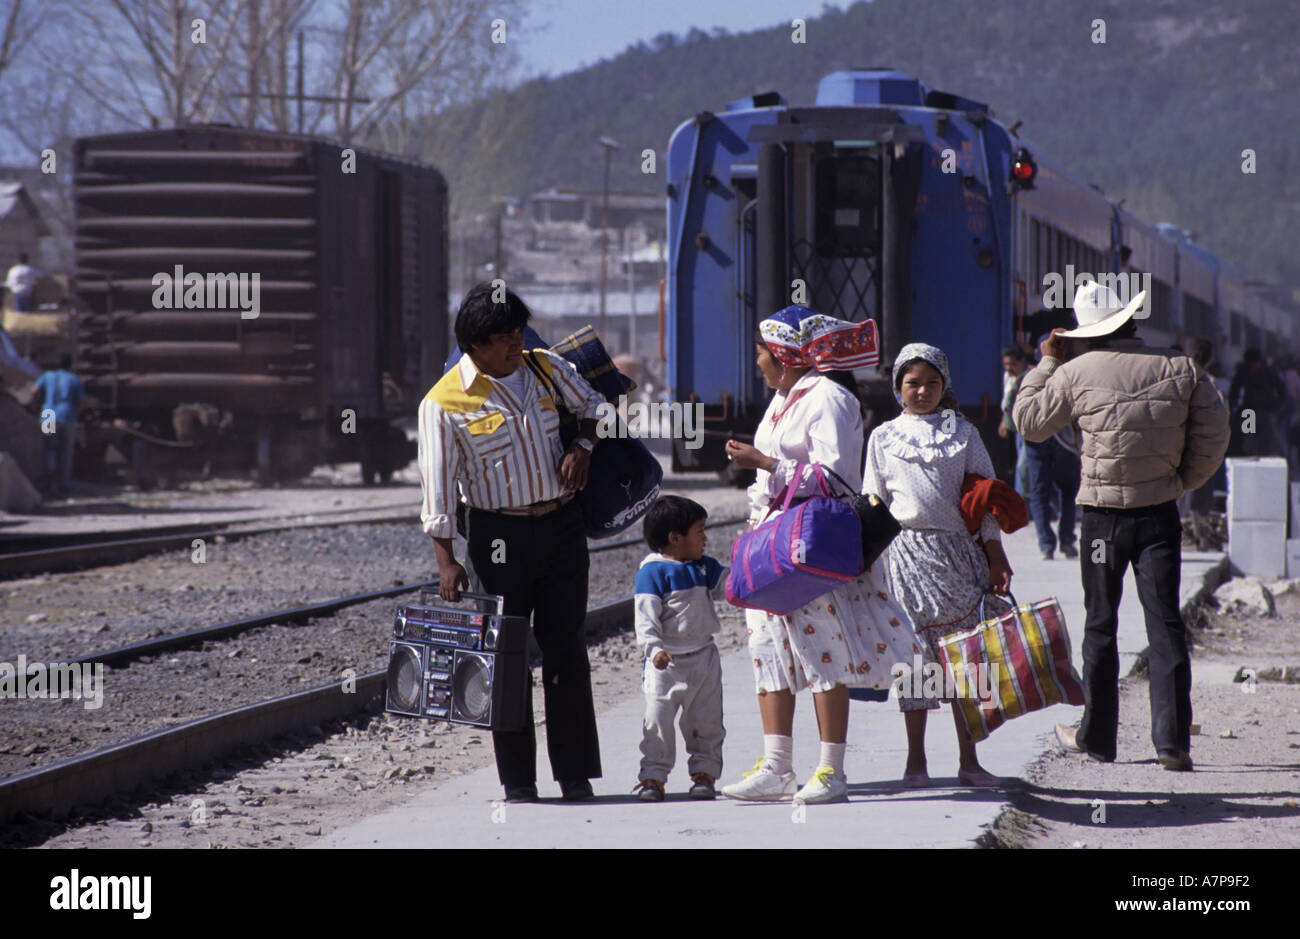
(801, 554)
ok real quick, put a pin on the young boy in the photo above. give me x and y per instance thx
(675, 622)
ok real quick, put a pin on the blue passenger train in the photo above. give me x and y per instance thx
(914, 207)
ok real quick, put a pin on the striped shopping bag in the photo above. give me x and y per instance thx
(1010, 665)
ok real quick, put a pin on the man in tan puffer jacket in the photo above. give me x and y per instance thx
(1153, 426)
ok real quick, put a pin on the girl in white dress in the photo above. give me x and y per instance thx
(854, 635)
(916, 464)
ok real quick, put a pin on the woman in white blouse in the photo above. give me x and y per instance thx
(854, 635)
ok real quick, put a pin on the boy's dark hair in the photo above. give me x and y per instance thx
(22, 258)
(670, 514)
(478, 317)
(65, 361)
(1015, 352)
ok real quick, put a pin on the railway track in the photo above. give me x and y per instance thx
(92, 777)
(53, 553)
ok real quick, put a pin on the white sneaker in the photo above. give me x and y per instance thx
(760, 784)
(825, 786)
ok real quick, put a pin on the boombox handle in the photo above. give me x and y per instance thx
(465, 594)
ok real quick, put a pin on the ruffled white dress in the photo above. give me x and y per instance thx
(937, 569)
(855, 634)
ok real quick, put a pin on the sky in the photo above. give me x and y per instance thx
(563, 35)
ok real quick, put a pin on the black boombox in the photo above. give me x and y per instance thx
(458, 665)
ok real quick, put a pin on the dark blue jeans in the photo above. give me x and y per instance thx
(1052, 468)
(1150, 539)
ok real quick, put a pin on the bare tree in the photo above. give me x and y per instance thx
(401, 54)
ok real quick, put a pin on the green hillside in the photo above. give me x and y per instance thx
(1158, 115)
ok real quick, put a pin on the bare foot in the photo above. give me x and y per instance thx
(977, 777)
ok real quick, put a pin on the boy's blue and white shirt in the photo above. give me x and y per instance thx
(674, 603)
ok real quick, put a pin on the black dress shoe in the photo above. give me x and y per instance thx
(521, 793)
(1177, 761)
(576, 790)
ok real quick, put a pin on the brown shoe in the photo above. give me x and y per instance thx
(649, 790)
(703, 787)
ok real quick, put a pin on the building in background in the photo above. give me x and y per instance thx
(547, 246)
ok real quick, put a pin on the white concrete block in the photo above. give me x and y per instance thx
(1293, 558)
(1295, 510)
(1258, 548)
(1257, 489)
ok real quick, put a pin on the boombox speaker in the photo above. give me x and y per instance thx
(458, 665)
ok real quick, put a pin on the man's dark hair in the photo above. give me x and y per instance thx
(478, 317)
(22, 259)
(1252, 355)
(1202, 352)
(1015, 352)
(65, 361)
(670, 514)
(1128, 331)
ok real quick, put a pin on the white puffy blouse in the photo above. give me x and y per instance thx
(816, 421)
(916, 465)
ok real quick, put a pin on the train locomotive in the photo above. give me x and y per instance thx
(916, 208)
(256, 300)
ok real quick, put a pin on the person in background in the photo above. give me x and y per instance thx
(63, 390)
(1014, 365)
(1256, 396)
(21, 282)
(491, 429)
(1053, 469)
(1290, 428)
(1153, 426)
(1200, 501)
(675, 587)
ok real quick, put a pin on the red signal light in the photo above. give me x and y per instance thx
(1023, 170)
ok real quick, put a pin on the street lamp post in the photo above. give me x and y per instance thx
(609, 146)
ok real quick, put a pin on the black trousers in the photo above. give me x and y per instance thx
(539, 565)
(1151, 540)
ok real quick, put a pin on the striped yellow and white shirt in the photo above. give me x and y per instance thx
(503, 451)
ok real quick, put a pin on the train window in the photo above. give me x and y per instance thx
(1234, 328)
(848, 205)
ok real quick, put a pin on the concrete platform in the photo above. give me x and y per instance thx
(466, 812)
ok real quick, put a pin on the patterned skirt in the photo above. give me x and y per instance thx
(938, 578)
(853, 636)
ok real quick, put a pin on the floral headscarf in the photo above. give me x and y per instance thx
(931, 355)
(799, 337)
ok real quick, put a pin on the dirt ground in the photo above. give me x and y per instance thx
(1245, 791)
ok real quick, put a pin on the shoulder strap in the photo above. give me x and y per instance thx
(547, 380)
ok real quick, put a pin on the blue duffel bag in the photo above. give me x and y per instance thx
(624, 477)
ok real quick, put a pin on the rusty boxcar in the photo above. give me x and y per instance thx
(257, 300)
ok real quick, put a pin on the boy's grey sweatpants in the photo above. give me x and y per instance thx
(693, 684)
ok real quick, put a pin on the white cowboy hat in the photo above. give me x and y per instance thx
(1099, 311)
